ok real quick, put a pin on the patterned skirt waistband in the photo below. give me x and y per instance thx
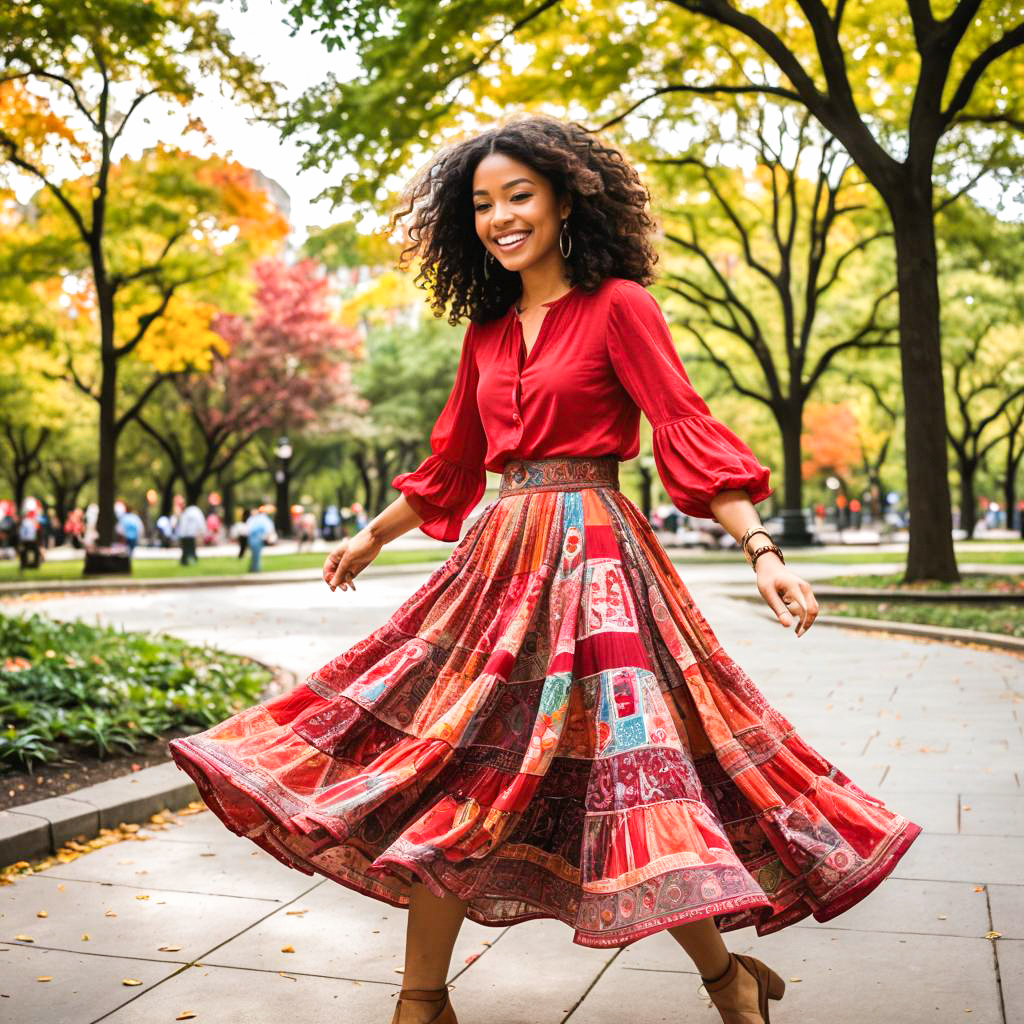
(559, 473)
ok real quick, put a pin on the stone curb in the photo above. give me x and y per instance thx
(176, 582)
(40, 828)
(946, 634)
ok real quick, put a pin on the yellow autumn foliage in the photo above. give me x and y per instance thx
(182, 338)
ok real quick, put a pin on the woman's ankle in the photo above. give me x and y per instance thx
(718, 975)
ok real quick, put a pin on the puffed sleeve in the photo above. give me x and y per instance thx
(447, 485)
(696, 455)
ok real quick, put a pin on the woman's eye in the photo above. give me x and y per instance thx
(518, 195)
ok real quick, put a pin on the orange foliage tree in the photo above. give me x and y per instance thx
(130, 236)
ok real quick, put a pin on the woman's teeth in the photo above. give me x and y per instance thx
(511, 241)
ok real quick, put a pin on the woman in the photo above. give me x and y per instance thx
(548, 727)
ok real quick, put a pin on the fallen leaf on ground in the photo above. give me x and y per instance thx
(169, 949)
(185, 1015)
(288, 976)
(85, 937)
(23, 938)
(993, 935)
(287, 949)
(295, 913)
(130, 982)
(110, 913)
(42, 913)
(142, 896)
(44, 977)
(796, 979)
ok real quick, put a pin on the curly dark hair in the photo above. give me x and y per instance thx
(609, 226)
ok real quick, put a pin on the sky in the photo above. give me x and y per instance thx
(297, 63)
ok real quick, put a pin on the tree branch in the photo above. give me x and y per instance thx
(42, 73)
(1011, 39)
(131, 110)
(726, 368)
(19, 161)
(133, 410)
(702, 90)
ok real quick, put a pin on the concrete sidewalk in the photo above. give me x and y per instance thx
(934, 730)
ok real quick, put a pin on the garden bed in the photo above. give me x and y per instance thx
(999, 619)
(80, 704)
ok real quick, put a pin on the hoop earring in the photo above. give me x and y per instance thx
(565, 231)
(488, 260)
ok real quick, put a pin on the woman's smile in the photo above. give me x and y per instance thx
(512, 241)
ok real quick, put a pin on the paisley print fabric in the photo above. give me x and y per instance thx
(548, 727)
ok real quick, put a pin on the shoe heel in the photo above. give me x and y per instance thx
(776, 986)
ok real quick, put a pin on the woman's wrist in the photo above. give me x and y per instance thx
(767, 557)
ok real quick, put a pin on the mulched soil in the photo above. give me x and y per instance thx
(73, 771)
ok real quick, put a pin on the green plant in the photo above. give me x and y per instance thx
(102, 691)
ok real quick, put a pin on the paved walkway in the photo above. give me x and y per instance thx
(935, 730)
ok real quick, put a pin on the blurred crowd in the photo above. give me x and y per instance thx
(187, 527)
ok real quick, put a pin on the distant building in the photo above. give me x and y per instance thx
(278, 196)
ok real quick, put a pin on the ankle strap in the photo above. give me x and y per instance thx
(724, 979)
(425, 994)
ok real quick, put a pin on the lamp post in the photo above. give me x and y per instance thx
(833, 484)
(282, 520)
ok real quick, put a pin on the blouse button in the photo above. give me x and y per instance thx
(515, 419)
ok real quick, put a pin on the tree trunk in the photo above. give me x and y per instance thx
(794, 525)
(931, 555)
(20, 486)
(227, 496)
(106, 483)
(1013, 459)
(968, 502)
(359, 458)
(646, 485)
(167, 493)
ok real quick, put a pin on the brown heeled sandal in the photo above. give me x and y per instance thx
(446, 1015)
(724, 991)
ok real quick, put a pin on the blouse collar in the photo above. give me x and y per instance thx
(554, 302)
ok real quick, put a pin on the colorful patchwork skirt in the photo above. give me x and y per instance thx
(548, 727)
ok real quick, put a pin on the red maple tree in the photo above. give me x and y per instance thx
(286, 364)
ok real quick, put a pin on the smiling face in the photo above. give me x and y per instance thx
(518, 216)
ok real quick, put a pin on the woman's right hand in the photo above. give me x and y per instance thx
(349, 558)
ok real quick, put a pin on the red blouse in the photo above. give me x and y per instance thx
(597, 361)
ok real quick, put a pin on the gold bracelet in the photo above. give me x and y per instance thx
(750, 533)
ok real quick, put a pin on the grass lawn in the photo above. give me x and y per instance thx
(986, 582)
(221, 565)
(1006, 619)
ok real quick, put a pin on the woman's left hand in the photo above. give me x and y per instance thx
(789, 596)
